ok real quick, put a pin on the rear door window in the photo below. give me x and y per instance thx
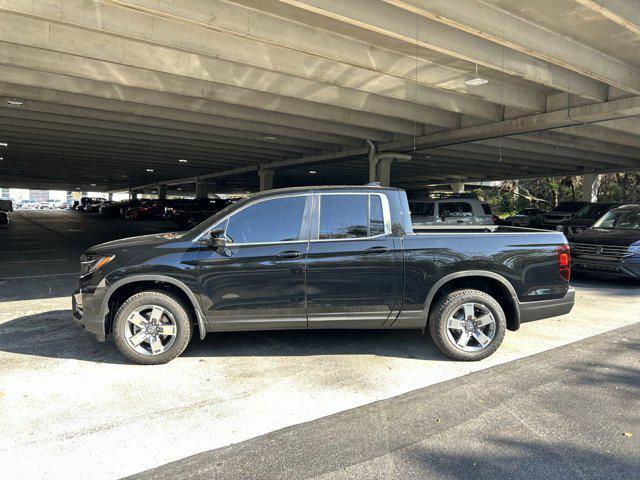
(344, 216)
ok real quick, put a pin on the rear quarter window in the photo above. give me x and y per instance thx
(486, 208)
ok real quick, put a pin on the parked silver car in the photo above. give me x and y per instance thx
(527, 217)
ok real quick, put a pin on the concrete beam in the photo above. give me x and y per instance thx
(584, 144)
(69, 114)
(74, 74)
(231, 31)
(66, 123)
(38, 89)
(547, 153)
(596, 132)
(628, 125)
(400, 24)
(214, 50)
(183, 148)
(625, 13)
(534, 123)
(504, 28)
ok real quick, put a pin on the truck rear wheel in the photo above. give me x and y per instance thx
(152, 327)
(467, 325)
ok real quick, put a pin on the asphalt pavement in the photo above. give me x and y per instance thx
(568, 413)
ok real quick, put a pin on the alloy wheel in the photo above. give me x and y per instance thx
(150, 330)
(471, 327)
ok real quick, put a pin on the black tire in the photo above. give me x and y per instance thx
(447, 306)
(166, 300)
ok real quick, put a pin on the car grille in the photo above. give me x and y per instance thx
(609, 252)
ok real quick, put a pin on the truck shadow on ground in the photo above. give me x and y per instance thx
(54, 334)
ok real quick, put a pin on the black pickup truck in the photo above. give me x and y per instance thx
(322, 257)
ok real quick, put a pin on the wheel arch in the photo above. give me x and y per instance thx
(159, 281)
(489, 282)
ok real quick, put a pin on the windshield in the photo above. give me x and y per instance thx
(620, 220)
(594, 211)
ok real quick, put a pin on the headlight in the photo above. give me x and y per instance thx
(560, 228)
(92, 264)
(634, 249)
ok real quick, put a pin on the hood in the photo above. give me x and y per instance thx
(597, 236)
(133, 242)
(579, 222)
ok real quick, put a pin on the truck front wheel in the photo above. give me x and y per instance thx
(467, 325)
(152, 327)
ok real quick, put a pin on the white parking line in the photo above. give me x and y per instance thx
(36, 261)
(41, 276)
(26, 251)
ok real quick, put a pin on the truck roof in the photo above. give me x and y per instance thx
(323, 188)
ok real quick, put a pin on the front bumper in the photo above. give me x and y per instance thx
(608, 268)
(88, 312)
(530, 311)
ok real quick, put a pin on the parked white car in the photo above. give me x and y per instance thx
(453, 210)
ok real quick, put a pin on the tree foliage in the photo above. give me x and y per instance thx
(546, 193)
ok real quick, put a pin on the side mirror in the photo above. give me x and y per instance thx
(216, 238)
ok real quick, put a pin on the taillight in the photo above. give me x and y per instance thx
(495, 220)
(564, 261)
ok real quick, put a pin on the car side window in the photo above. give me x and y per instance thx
(344, 216)
(275, 220)
(465, 209)
(448, 209)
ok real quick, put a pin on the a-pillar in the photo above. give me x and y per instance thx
(266, 179)
(202, 190)
(590, 186)
(457, 187)
(162, 192)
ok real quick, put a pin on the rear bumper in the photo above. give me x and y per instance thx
(87, 312)
(530, 311)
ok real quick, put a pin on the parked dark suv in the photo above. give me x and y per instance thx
(611, 246)
(563, 211)
(585, 218)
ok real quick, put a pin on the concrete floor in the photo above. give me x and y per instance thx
(71, 407)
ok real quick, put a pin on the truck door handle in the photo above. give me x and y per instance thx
(377, 250)
(289, 254)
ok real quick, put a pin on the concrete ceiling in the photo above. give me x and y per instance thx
(114, 93)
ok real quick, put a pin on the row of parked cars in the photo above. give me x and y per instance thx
(604, 237)
(186, 213)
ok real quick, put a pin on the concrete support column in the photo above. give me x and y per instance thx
(384, 172)
(266, 179)
(111, 197)
(202, 190)
(457, 187)
(133, 195)
(162, 192)
(380, 165)
(590, 186)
